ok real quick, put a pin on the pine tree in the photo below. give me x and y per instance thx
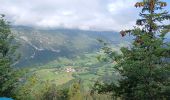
(145, 65)
(7, 58)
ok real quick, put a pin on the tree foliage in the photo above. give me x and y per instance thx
(145, 65)
(7, 58)
(75, 92)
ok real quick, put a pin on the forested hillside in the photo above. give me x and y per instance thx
(39, 46)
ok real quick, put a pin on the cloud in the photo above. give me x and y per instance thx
(82, 14)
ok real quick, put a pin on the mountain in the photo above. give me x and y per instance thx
(39, 46)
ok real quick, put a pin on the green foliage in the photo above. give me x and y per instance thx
(53, 93)
(8, 76)
(145, 66)
(25, 90)
(75, 92)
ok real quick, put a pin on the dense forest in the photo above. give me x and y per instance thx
(85, 65)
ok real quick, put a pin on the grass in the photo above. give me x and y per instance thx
(54, 76)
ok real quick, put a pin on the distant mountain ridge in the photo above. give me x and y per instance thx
(40, 46)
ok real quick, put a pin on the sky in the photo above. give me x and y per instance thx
(82, 14)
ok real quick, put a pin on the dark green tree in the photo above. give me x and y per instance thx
(7, 58)
(145, 65)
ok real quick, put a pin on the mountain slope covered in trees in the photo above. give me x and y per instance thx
(39, 46)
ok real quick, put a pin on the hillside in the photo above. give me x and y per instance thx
(39, 46)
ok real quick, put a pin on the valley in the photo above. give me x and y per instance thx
(40, 46)
(62, 57)
(86, 69)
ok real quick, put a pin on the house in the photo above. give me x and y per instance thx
(70, 70)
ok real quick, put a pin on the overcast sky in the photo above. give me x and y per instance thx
(82, 14)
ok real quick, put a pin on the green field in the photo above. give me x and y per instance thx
(53, 76)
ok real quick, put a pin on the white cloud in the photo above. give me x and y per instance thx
(83, 14)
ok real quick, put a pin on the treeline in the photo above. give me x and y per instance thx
(48, 91)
